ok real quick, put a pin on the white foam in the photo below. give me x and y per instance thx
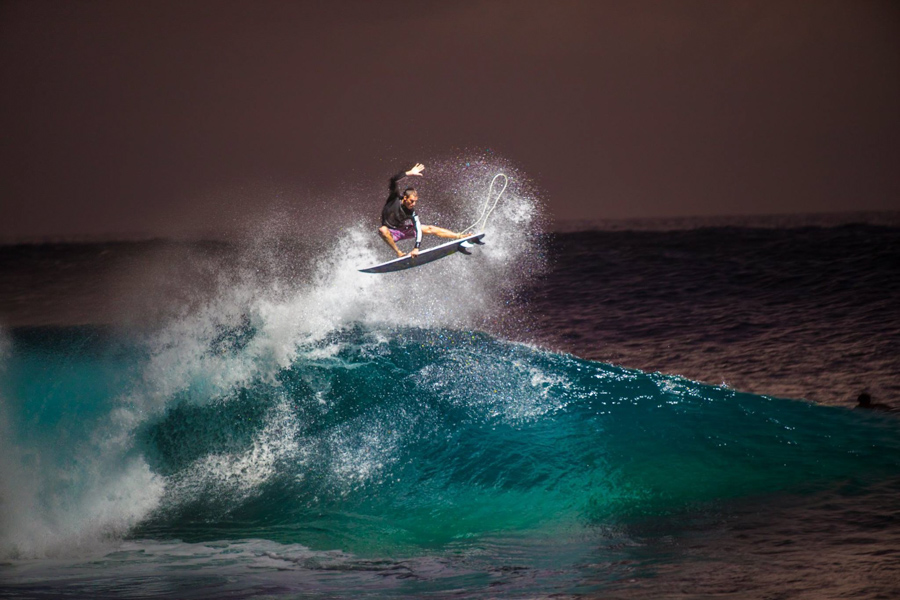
(241, 474)
(49, 512)
(53, 510)
(457, 292)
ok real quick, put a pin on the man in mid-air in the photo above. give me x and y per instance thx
(399, 220)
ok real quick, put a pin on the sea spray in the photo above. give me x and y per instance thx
(72, 482)
(92, 402)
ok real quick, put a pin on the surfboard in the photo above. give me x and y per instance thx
(427, 256)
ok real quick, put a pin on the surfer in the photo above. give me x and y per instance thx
(865, 402)
(399, 220)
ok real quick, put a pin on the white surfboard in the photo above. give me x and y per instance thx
(427, 256)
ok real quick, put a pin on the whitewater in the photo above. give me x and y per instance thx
(313, 431)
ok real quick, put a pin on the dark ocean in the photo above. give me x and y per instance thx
(615, 410)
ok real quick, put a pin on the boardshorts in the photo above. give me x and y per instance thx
(402, 234)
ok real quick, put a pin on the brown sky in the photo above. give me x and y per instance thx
(162, 117)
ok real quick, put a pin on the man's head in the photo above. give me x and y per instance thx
(410, 197)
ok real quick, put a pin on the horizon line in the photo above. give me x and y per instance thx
(888, 218)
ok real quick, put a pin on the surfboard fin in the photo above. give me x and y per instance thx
(465, 249)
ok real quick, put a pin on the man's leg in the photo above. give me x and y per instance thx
(441, 232)
(386, 234)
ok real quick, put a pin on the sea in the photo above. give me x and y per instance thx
(608, 409)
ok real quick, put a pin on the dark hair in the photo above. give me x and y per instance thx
(408, 190)
(864, 399)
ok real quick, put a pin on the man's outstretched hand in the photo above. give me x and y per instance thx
(416, 170)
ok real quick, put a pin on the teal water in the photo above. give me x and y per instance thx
(390, 443)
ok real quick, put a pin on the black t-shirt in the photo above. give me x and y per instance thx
(394, 214)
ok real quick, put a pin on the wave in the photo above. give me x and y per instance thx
(406, 439)
(74, 401)
(373, 415)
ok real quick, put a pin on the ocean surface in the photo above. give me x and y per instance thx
(637, 410)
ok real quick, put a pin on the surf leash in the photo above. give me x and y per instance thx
(489, 204)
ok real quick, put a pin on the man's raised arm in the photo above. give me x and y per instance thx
(416, 171)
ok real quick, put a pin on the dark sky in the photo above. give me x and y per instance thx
(162, 117)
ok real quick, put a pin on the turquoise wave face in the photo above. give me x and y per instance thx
(407, 440)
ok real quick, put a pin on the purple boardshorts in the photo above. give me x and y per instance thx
(402, 234)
